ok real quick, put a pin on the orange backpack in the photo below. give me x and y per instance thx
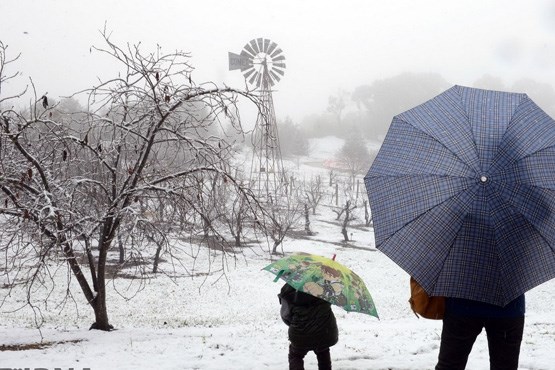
(424, 305)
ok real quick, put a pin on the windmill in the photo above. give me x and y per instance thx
(263, 64)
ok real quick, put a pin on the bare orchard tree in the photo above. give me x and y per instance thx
(70, 185)
(283, 209)
(235, 218)
(347, 212)
(284, 214)
(314, 193)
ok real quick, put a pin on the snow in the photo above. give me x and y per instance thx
(229, 319)
(325, 148)
(210, 323)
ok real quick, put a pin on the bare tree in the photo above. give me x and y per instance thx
(315, 193)
(285, 214)
(347, 211)
(235, 217)
(71, 185)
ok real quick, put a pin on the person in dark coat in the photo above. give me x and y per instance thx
(464, 320)
(312, 327)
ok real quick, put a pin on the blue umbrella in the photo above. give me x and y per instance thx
(462, 194)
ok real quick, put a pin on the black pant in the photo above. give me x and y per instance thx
(459, 333)
(296, 358)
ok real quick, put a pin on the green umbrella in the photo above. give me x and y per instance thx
(326, 279)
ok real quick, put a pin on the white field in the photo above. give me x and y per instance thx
(230, 319)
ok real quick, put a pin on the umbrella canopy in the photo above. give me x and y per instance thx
(462, 194)
(326, 279)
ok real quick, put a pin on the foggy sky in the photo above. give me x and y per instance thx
(328, 45)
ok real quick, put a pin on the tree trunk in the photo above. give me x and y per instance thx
(99, 302)
(90, 258)
(276, 245)
(121, 250)
(156, 256)
(101, 312)
(238, 227)
(307, 220)
(367, 214)
(277, 239)
(77, 272)
(346, 221)
(345, 234)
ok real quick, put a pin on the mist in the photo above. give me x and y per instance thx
(330, 48)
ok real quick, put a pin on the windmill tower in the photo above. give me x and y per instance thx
(262, 63)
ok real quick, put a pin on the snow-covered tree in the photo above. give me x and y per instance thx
(140, 161)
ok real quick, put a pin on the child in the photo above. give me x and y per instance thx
(312, 327)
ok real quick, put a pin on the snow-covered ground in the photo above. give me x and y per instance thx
(230, 319)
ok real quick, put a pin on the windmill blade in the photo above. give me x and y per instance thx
(253, 78)
(274, 76)
(248, 66)
(260, 43)
(250, 50)
(255, 46)
(279, 65)
(258, 79)
(272, 47)
(276, 53)
(266, 44)
(280, 71)
(247, 54)
(279, 58)
(249, 72)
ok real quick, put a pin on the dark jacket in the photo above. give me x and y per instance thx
(311, 321)
(468, 308)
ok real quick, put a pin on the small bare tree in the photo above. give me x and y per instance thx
(347, 211)
(235, 218)
(314, 194)
(284, 216)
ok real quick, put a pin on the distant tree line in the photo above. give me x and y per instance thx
(369, 108)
